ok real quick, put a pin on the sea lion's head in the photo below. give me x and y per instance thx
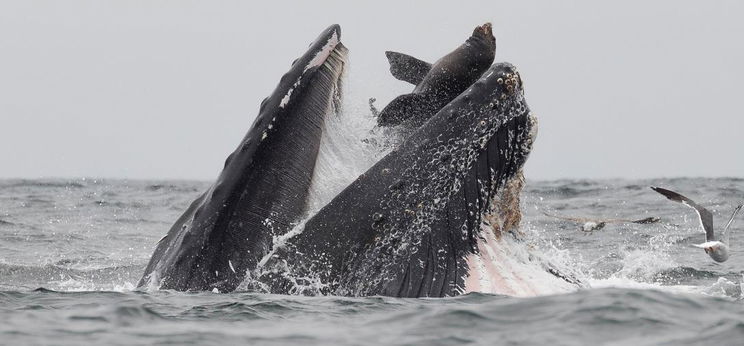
(484, 33)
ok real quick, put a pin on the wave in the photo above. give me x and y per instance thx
(185, 187)
(70, 275)
(43, 183)
(673, 275)
(598, 316)
(119, 204)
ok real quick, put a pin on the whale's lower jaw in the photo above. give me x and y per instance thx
(508, 266)
(262, 190)
(504, 264)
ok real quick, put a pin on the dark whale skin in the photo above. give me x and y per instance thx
(263, 187)
(405, 227)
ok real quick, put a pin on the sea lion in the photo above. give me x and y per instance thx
(439, 83)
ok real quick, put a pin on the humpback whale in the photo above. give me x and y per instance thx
(425, 220)
(439, 83)
(263, 187)
(415, 222)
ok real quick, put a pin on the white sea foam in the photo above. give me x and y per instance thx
(512, 267)
(70, 284)
(648, 266)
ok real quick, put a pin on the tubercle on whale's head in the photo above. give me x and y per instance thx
(511, 81)
(499, 82)
(495, 98)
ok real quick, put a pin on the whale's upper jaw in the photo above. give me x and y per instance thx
(488, 127)
(405, 226)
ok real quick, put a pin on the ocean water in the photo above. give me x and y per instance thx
(72, 251)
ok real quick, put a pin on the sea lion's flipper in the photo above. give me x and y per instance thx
(407, 68)
(570, 218)
(404, 107)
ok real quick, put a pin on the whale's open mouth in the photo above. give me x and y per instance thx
(422, 221)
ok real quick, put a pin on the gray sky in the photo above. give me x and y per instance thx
(166, 89)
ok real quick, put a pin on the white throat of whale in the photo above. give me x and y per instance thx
(504, 263)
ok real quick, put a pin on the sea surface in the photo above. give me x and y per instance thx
(72, 251)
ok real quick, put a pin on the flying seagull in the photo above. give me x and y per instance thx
(716, 249)
(591, 225)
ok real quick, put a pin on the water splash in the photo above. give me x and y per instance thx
(350, 145)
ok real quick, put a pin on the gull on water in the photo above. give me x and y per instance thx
(716, 249)
(591, 225)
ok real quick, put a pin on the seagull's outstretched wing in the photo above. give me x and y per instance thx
(725, 234)
(646, 221)
(705, 216)
(731, 220)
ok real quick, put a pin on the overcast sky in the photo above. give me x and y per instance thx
(166, 89)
